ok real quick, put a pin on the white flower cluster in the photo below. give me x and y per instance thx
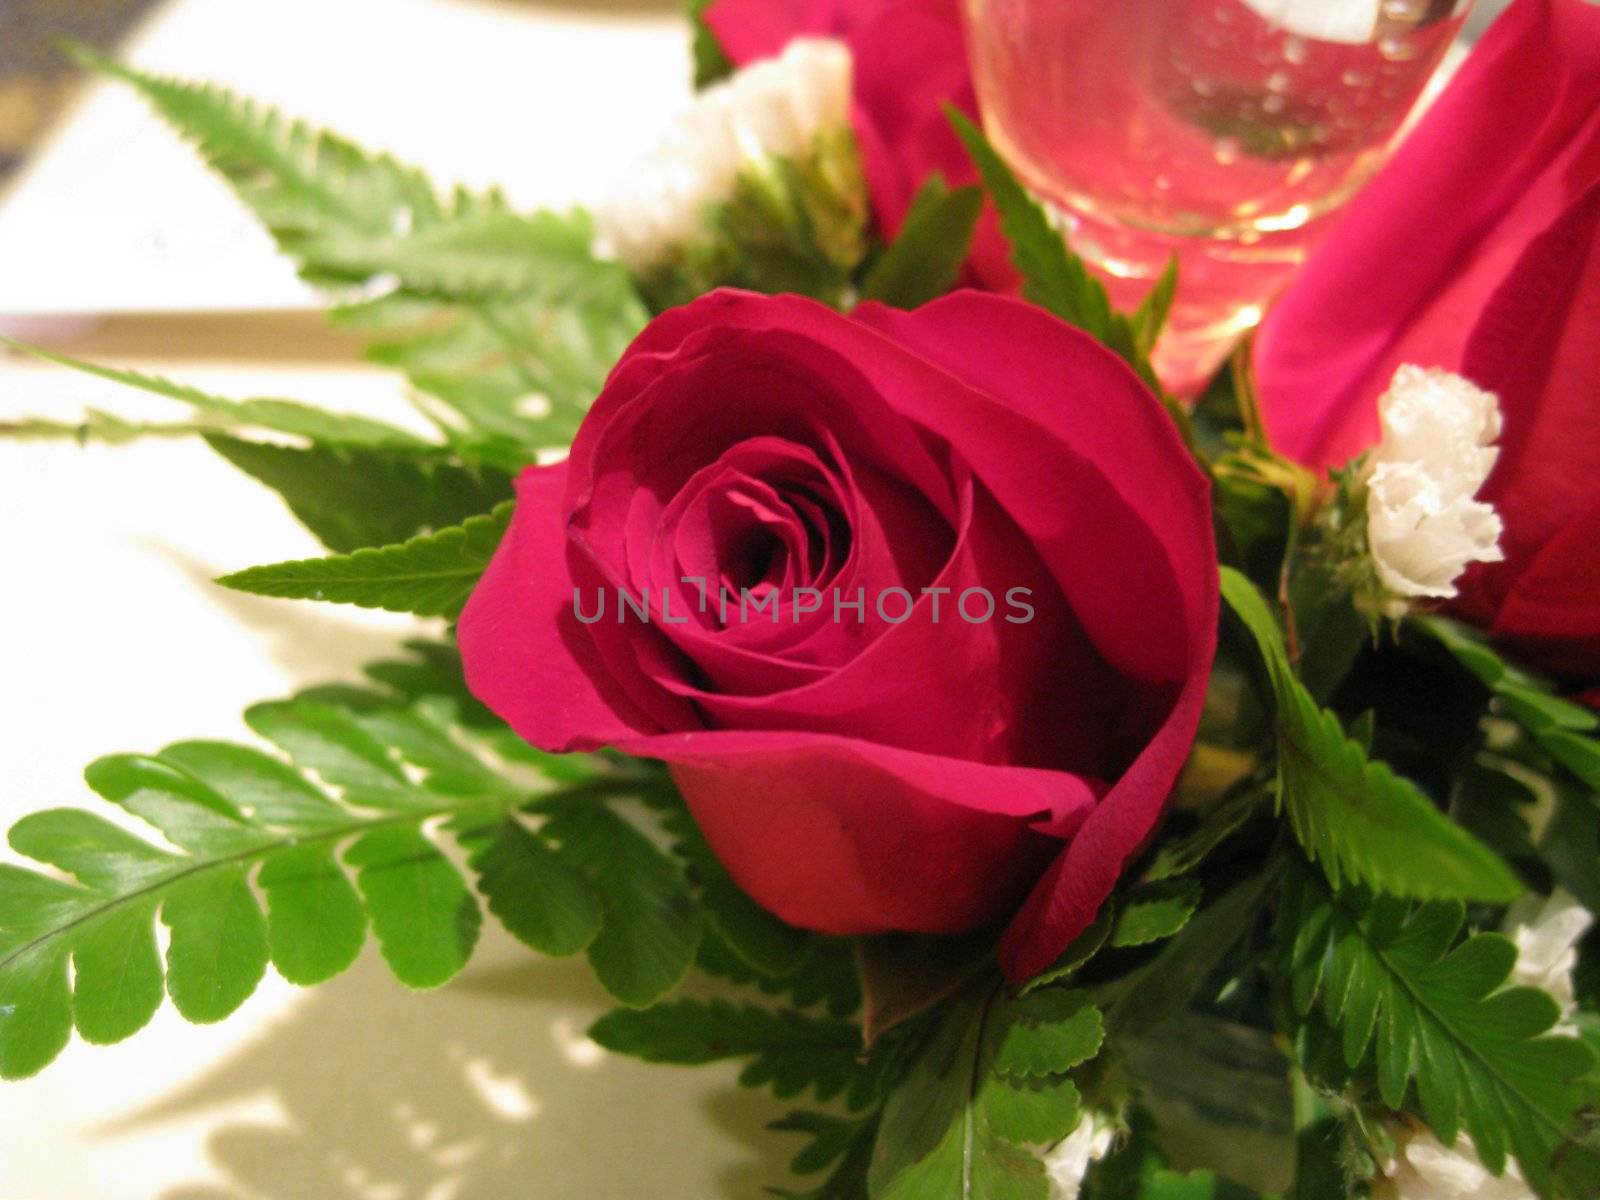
(1425, 524)
(1068, 1161)
(1546, 932)
(773, 108)
(1426, 1169)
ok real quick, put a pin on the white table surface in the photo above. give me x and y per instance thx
(112, 637)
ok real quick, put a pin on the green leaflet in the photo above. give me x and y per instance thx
(710, 62)
(1150, 318)
(1564, 731)
(1436, 1015)
(1140, 1001)
(329, 855)
(216, 412)
(1150, 912)
(958, 1126)
(924, 260)
(652, 919)
(543, 901)
(827, 978)
(788, 1051)
(1358, 819)
(430, 575)
(1055, 278)
(502, 378)
(356, 497)
(1047, 1032)
(844, 1144)
(507, 321)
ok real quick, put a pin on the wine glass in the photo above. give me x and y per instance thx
(1224, 132)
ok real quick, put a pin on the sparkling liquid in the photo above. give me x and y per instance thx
(1200, 128)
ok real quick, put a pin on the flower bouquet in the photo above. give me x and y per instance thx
(1055, 778)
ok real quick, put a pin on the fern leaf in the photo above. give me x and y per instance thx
(276, 416)
(509, 322)
(788, 1051)
(1438, 1017)
(1356, 817)
(431, 575)
(289, 860)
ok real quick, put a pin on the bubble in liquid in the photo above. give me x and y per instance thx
(1405, 10)
(1396, 49)
(1356, 78)
(1294, 50)
(1273, 104)
(1226, 150)
(1279, 82)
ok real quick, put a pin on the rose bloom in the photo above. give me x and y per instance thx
(1477, 250)
(924, 764)
(910, 62)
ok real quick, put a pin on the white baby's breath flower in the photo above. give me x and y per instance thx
(1426, 1169)
(1425, 524)
(1068, 1161)
(1546, 932)
(773, 108)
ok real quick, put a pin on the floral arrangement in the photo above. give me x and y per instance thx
(828, 600)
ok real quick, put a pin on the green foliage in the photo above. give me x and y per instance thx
(960, 1125)
(924, 260)
(711, 62)
(1047, 1032)
(1358, 819)
(826, 978)
(1053, 277)
(1166, 984)
(1564, 731)
(543, 900)
(216, 413)
(789, 1052)
(652, 917)
(507, 321)
(1152, 912)
(1434, 1015)
(792, 224)
(430, 575)
(502, 378)
(336, 835)
(1056, 279)
(1150, 317)
(352, 497)
(844, 1144)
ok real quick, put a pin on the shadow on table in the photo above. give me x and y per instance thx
(484, 1090)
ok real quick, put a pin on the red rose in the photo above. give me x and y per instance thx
(927, 760)
(1478, 250)
(910, 61)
